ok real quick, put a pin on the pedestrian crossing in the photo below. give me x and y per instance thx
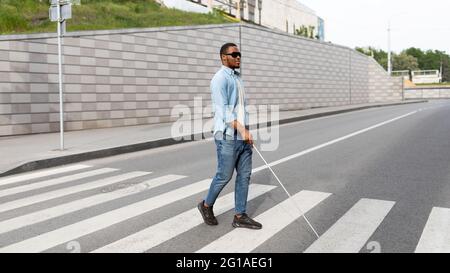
(148, 193)
(243, 240)
(170, 228)
(436, 234)
(53, 182)
(43, 215)
(27, 201)
(40, 174)
(351, 232)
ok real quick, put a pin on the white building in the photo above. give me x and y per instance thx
(284, 15)
(426, 76)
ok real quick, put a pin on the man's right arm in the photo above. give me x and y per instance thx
(224, 110)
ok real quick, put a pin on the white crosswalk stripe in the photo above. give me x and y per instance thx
(18, 203)
(351, 231)
(43, 215)
(170, 228)
(56, 181)
(53, 238)
(40, 174)
(244, 240)
(436, 234)
(348, 234)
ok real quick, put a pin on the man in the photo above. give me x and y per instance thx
(233, 140)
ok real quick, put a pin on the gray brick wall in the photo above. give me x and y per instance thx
(427, 93)
(382, 87)
(135, 76)
(294, 72)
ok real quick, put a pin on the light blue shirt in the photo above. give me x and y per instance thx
(225, 100)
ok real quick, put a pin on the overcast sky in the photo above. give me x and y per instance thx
(422, 24)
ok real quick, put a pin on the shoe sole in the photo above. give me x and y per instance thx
(249, 227)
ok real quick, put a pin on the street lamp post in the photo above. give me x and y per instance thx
(59, 11)
(61, 102)
(390, 41)
(389, 49)
(259, 9)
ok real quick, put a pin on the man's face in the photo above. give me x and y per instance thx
(231, 59)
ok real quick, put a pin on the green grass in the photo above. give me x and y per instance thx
(30, 16)
(446, 84)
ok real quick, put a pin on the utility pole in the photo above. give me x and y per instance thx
(60, 78)
(260, 9)
(389, 41)
(389, 50)
(59, 11)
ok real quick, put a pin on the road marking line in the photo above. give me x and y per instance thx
(351, 231)
(274, 220)
(43, 215)
(67, 191)
(436, 234)
(170, 228)
(302, 153)
(67, 233)
(29, 176)
(55, 181)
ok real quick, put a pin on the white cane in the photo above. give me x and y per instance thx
(289, 195)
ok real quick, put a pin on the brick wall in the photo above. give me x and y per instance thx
(427, 93)
(135, 76)
(382, 87)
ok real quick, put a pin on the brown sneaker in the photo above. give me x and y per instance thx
(207, 214)
(245, 222)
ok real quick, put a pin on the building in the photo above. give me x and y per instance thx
(426, 76)
(285, 15)
(405, 74)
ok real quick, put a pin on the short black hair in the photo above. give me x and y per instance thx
(224, 48)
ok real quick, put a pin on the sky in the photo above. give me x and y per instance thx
(414, 23)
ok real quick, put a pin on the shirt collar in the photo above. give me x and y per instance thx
(230, 71)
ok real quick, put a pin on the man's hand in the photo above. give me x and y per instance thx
(247, 136)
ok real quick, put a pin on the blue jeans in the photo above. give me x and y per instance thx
(231, 154)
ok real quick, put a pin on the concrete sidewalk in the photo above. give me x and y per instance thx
(32, 152)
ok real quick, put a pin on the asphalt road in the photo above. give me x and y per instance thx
(376, 180)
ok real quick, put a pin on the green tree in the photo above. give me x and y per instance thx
(416, 53)
(378, 54)
(426, 60)
(429, 60)
(446, 68)
(404, 61)
(432, 60)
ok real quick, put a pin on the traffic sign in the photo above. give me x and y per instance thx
(66, 12)
(65, 2)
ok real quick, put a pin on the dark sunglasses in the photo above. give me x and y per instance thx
(234, 54)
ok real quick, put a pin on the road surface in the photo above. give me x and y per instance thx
(376, 180)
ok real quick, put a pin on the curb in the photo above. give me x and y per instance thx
(68, 159)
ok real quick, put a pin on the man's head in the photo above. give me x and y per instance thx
(230, 56)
